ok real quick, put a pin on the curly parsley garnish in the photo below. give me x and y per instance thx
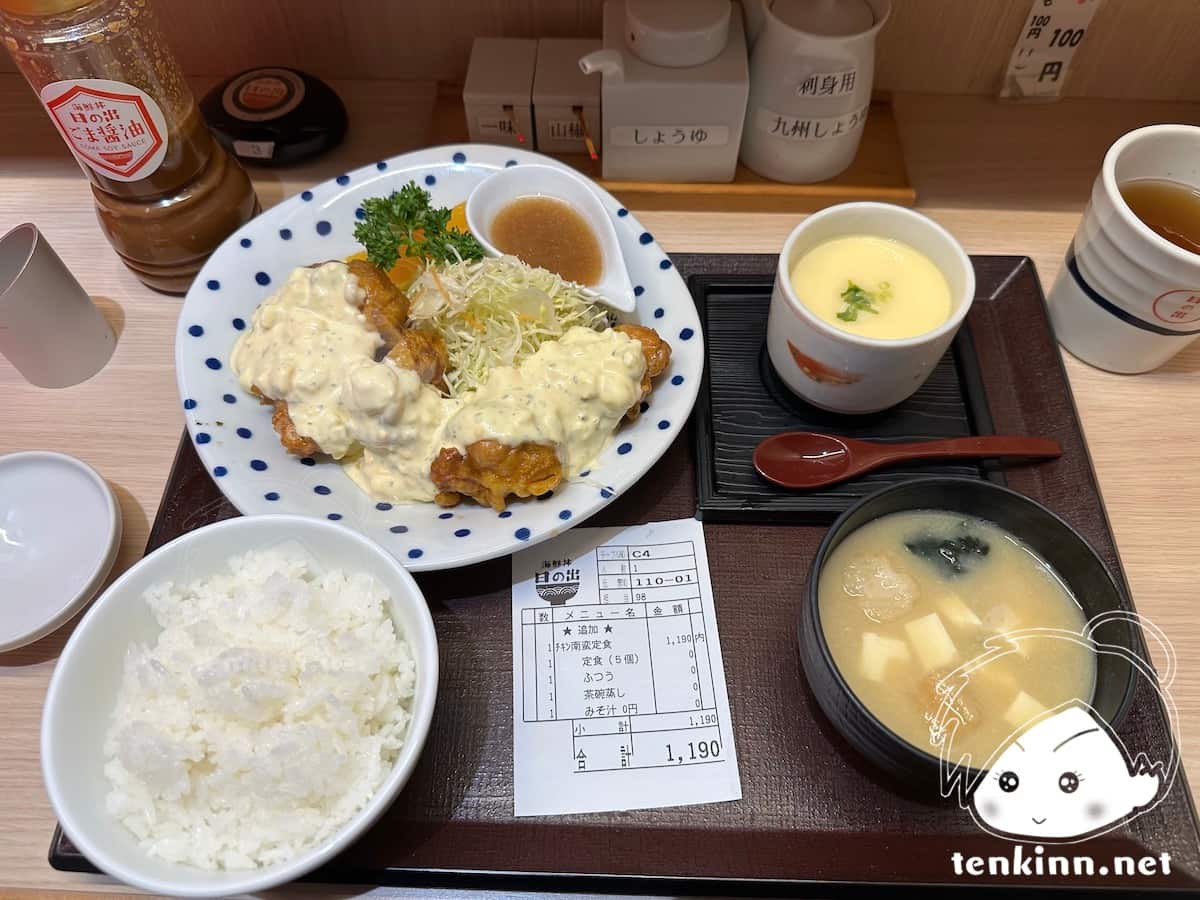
(405, 224)
(857, 299)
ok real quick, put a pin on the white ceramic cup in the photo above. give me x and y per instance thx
(50, 330)
(1127, 299)
(848, 373)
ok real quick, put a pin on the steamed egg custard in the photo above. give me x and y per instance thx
(311, 347)
(872, 286)
(909, 597)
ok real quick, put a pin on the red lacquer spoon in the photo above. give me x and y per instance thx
(805, 459)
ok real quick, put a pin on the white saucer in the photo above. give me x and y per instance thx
(60, 528)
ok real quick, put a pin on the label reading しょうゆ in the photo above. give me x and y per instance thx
(114, 128)
(669, 136)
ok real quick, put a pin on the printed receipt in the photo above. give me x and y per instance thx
(619, 695)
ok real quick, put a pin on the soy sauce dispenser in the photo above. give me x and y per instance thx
(675, 82)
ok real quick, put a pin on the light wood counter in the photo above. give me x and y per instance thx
(1004, 179)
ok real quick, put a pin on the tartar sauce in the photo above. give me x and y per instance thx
(571, 393)
(308, 344)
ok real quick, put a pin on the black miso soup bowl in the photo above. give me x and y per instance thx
(1052, 538)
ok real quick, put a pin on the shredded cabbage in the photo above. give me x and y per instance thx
(497, 312)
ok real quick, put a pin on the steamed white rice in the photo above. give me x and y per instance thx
(268, 712)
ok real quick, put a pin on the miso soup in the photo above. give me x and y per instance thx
(909, 597)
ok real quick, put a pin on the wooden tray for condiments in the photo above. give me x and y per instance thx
(877, 173)
(815, 819)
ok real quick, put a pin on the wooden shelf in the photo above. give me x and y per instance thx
(877, 173)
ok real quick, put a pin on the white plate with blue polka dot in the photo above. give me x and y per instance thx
(232, 430)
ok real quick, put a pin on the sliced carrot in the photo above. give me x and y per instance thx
(403, 273)
(407, 268)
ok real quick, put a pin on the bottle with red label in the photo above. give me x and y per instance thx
(166, 192)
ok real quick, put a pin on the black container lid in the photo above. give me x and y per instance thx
(275, 116)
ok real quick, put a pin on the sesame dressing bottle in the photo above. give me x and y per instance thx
(166, 193)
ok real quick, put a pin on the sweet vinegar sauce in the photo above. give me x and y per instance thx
(898, 616)
(549, 234)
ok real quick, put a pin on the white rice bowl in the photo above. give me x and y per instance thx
(93, 754)
(267, 713)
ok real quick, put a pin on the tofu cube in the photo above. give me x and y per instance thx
(878, 652)
(996, 677)
(931, 642)
(995, 684)
(1022, 710)
(957, 613)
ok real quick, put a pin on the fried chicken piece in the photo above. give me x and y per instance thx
(658, 357)
(425, 353)
(491, 471)
(281, 420)
(385, 306)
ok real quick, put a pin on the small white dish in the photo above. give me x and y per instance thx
(83, 692)
(614, 288)
(60, 529)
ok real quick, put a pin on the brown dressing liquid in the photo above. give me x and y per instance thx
(165, 223)
(549, 234)
(1170, 209)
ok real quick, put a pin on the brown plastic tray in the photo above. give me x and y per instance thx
(814, 818)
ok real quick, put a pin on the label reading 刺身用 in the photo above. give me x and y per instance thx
(828, 84)
(114, 128)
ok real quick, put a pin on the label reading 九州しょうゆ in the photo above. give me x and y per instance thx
(810, 128)
(114, 128)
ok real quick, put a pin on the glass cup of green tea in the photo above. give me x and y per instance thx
(867, 298)
(1128, 296)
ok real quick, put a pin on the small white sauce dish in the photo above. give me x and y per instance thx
(60, 530)
(497, 191)
(848, 373)
(83, 692)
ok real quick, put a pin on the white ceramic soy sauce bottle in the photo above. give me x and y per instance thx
(812, 67)
(674, 89)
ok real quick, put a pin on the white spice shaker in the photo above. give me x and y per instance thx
(498, 91)
(676, 122)
(566, 102)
